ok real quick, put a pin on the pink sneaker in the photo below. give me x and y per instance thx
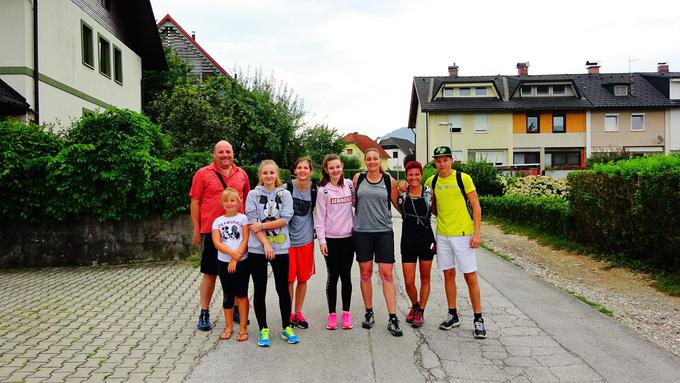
(332, 322)
(347, 320)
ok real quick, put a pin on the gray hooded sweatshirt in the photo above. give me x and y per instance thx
(265, 206)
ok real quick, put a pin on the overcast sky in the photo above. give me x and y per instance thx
(353, 61)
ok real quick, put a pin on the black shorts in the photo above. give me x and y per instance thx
(378, 246)
(412, 257)
(208, 255)
(234, 284)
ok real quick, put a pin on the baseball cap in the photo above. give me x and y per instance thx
(441, 151)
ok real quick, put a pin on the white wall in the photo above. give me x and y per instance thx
(674, 139)
(61, 60)
(394, 163)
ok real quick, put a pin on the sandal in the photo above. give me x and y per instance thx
(226, 335)
(242, 337)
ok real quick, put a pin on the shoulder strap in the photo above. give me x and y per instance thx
(315, 189)
(279, 196)
(289, 186)
(387, 179)
(362, 177)
(219, 175)
(461, 186)
(459, 180)
(434, 194)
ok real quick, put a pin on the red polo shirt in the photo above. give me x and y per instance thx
(207, 188)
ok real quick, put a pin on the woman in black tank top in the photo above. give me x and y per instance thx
(417, 241)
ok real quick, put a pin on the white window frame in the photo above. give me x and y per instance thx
(643, 122)
(456, 122)
(448, 92)
(618, 88)
(457, 155)
(615, 115)
(564, 89)
(469, 92)
(481, 123)
(531, 90)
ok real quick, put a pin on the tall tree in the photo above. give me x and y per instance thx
(155, 83)
(319, 140)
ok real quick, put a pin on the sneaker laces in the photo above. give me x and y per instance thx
(264, 333)
(479, 326)
(289, 331)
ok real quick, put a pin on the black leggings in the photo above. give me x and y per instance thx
(258, 269)
(339, 266)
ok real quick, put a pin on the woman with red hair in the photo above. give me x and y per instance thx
(417, 240)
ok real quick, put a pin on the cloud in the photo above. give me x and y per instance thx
(353, 61)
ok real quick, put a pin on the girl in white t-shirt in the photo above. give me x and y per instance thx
(230, 235)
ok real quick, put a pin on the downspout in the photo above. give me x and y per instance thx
(427, 136)
(36, 73)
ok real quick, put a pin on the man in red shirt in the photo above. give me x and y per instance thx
(207, 187)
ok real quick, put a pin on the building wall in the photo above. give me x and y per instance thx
(498, 136)
(422, 149)
(575, 123)
(654, 127)
(674, 128)
(66, 84)
(394, 163)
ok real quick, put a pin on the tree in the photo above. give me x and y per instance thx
(199, 113)
(155, 83)
(320, 140)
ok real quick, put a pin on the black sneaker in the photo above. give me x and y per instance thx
(369, 320)
(204, 321)
(450, 322)
(479, 331)
(393, 327)
(237, 316)
(300, 321)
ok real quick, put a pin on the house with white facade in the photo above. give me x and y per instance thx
(69, 57)
(398, 149)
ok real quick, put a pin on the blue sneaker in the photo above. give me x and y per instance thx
(263, 339)
(204, 321)
(289, 335)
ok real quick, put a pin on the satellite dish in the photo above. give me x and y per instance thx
(659, 139)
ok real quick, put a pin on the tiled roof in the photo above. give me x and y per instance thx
(593, 91)
(364, 143)
(185, 48)
(405, 146)
(11, 102)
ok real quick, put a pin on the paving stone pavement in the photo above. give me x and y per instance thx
(138, 323)
(118, 323)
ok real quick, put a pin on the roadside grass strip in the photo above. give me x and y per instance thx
(594, 305)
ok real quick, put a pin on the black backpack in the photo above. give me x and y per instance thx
(388, 186)
(461, 186)
(314, 187)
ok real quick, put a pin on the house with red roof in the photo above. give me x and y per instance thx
(185, 45)
(357, 144)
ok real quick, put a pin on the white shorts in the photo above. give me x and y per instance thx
(455, 252)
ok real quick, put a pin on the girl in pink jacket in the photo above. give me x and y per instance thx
(333, 225)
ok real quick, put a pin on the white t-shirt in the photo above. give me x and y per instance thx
(231, 233)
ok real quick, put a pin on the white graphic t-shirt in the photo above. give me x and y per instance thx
(231, 233)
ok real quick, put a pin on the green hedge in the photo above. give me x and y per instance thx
(631, 208)
(552, 214)
(25, 151)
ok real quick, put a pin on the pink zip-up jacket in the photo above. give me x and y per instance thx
(333, 214)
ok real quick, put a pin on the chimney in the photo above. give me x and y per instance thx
(453, 70)
(523, 69)
(662, 68)
(593, 66)
(193, 35)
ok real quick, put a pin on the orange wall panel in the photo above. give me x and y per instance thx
(576, 122)
(519, 123)
(546, 122)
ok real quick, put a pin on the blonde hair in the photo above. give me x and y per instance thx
(229, 193)
(278, 182)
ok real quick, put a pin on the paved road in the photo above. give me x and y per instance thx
(137, 323)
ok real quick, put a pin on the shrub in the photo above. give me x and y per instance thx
(350, 162)
(174, 181)
(552, 214)
(607, 157)
(537, 186)
(106, 169)
(484, 176)
(25, 151)
(631, 208)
